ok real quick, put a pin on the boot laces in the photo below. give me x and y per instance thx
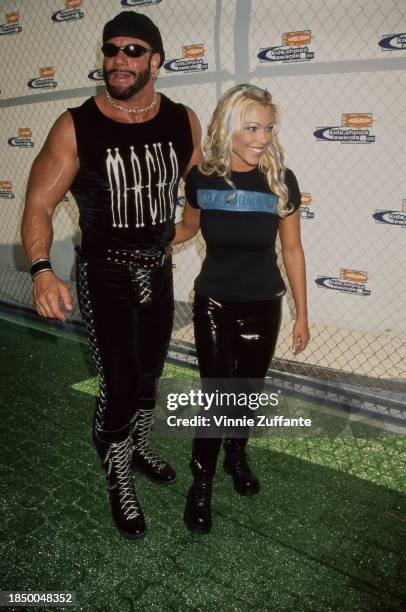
(119, 458)
(144, 422)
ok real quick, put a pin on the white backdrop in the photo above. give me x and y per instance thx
(336, 66)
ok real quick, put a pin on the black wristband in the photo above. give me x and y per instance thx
(40, 265)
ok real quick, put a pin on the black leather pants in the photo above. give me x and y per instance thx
(128, 315)
(233, 340)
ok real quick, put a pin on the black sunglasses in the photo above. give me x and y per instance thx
(110, 50)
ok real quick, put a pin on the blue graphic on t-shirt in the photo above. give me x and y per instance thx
(238, 201)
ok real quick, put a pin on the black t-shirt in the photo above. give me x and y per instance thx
(240, 234)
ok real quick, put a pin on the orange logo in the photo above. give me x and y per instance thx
(12, 18)
(296, 39)
(357, 120)
(6, 185)
(193, 51)
(24, 133)
(72, 4)
(306, 199)
(355, 276)
(47, 72)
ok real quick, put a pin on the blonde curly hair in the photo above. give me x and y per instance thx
(226, 121)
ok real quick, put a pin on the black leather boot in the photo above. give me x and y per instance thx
(143, 458)
(236, 464)
(126, 510)
(197, 515)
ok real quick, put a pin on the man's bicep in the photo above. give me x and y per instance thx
(55, 166)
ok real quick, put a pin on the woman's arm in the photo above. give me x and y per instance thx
(188, 226)
(293, 258)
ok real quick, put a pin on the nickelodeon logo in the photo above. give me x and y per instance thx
(353, 276)
(71, 12)
(296, 39)
(12, 18)
(392, 217)
(11, 25)
(192, 60)
(23, 139)
(193, 51)
(349, 282)
(294, 48)
(305, 212)
(357, 120)
(6, 185)
(48, 72)
(354, 129)
(45, 79)
(393, 42)
(24, 133)
(306, 199)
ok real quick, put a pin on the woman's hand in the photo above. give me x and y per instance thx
(300, 336)
(293, 258)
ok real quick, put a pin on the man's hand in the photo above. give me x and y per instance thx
(50, 295)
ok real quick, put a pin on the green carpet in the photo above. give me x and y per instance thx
(327, 531)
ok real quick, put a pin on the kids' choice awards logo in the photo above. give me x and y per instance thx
(304, 210)
(294, 48)
(392, 217)
(139, 2)
(96, 74)
(6, 190)
(71, 12)
(350, 281)
(354, 129)
(23, 139)
(192, 60)
(45, 80)
(393, 42)
(11, 25)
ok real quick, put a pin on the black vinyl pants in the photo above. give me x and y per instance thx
(233, 340)
(128, 316)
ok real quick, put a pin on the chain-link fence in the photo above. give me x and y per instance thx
(337, 73)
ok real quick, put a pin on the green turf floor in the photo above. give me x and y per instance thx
(327, 531)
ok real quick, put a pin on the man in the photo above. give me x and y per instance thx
(121, 154)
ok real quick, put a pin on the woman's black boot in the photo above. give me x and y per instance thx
(197, 515)
(236, 464)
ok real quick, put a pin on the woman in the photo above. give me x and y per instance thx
(244, 195)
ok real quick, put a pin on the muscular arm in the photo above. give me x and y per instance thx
(190, 222)
(51, 176)
(294, 261)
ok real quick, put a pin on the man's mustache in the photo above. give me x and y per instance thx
(115, 70)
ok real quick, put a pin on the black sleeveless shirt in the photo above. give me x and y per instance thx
(127, 183)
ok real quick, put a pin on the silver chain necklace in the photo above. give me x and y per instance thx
(145, 109)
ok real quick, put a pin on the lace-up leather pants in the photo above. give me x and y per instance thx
(127, 311)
